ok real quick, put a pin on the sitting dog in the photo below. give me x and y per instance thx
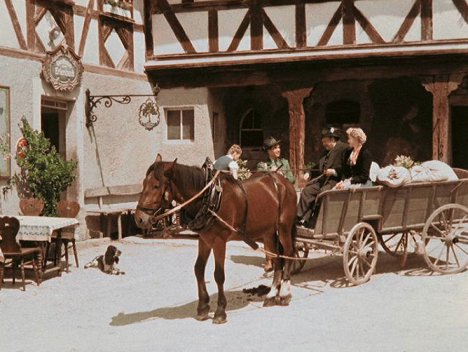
(106, 263)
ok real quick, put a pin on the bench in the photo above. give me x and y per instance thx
(112, 200)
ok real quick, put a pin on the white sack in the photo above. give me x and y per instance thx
(394, 176)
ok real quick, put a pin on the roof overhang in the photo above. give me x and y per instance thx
(268, 67)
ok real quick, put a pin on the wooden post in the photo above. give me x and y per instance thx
(441, 86)
(295, 98)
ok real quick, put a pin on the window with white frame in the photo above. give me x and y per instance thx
(180, 124)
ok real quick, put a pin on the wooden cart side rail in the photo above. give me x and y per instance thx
(323, 226)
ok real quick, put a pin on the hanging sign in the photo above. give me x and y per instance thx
(62, 68)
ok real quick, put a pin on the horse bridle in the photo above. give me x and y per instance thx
(165, 204)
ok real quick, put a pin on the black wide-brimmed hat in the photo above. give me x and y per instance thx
(270, 142)
(331, 132)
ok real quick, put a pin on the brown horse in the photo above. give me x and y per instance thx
(264, 205)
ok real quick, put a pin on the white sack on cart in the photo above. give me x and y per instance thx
(432, 171)
(394, 176)
(374, 171)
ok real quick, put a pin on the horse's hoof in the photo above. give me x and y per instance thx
(269, 302)
(202, 317)
(202, 314)
(283, 301)
(220, 319)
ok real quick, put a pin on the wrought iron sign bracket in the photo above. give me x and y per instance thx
(148, 113)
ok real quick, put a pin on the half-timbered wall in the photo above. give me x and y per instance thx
(231, 27)
(100, 37)
(117, 150)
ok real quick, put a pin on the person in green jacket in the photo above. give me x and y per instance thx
(275, 162)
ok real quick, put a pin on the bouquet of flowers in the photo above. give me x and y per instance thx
(404, 161)
(243, 173)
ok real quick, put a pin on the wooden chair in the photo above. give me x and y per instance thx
(13, 252)
(31, 206)
(69, 209)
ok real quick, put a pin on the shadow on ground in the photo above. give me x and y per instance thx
(236, 300)
(316, 275)
(248, 260)
(329, 270)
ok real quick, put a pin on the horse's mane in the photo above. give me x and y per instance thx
(188, 177)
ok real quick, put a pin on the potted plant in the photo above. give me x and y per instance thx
(44, 173)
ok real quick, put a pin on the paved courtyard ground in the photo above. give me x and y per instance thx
(152, 307)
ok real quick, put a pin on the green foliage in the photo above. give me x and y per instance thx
(44, 172)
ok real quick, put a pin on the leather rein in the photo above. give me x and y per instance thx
(155, 217)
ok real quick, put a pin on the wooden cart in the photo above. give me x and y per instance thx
(431, 217)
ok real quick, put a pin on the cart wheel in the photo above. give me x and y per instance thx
(445, 236)
(399, 244)
(301, 251)
(360, 253)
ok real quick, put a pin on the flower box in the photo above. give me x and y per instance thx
(114, 9)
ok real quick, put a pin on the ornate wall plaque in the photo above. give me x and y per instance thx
(62, 68)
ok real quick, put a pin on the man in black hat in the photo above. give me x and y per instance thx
(330, 166)
(275, 162)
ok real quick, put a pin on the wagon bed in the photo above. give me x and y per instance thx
(431, 217)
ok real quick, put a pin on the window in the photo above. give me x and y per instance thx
(180, 124)
(251, 132)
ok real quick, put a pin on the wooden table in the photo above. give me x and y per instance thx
(40, 229)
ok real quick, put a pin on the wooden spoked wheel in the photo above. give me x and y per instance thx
(398, 244)
(301, 251)
(360, 253)
(445, 238)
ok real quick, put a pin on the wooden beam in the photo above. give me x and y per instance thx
(327, 68)
(441, 86)
(301, 28)
(462, 7)
(349, 23)
(408, 22)
(295, 98)
(426, 20)
(106, 32)
(199, 6)
(275, 34)
(16, 25)
(256, 27)
(39, 44)
(31, 26)
(213, 31)
(148, 25)
(40, 12)
(125, 34)
(63, 16)
(336, 18)
(84, 32)
(175, 26)
(240, 33)
(368, 27)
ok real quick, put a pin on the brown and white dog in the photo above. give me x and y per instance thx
(107, 262)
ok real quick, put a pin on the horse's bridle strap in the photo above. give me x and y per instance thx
(184, 204)
(146, 210)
